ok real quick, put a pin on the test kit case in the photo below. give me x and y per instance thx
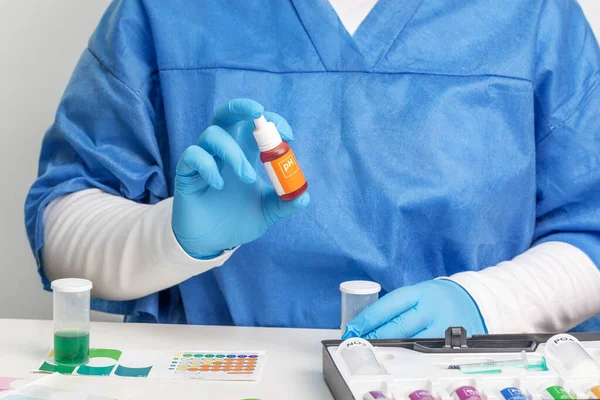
(422, 364)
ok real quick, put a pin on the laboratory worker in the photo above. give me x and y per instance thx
(451, 148)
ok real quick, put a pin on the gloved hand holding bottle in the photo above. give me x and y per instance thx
(424, 310)
(219, 201)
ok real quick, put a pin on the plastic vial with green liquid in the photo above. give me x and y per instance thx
(71, 321)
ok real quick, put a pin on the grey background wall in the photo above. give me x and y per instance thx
(40, 42)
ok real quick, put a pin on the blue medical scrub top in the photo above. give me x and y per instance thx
(445, 136)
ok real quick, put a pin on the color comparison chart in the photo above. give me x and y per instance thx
(217, 366)
(206, 365)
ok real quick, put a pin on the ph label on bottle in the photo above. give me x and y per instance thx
(288, 165)
(285, 174)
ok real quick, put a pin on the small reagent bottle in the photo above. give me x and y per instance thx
(279, 161)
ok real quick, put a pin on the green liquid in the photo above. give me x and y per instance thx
(71, 347)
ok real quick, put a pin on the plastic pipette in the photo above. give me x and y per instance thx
(497, 366)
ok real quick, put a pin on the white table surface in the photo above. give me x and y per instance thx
(293, 368)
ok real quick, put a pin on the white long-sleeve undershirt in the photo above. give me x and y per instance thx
(549, 288)
(128, 250)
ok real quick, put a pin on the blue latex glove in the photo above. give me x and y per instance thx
(219, 202)
(424, 310)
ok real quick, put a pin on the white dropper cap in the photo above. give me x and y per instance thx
(266, 134)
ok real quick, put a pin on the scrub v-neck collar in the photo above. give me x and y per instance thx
(340, 51)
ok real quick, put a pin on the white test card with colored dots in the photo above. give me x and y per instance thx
(217, 365)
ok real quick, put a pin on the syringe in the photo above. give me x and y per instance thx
(498, 366)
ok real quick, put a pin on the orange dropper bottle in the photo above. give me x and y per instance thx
(279, 161)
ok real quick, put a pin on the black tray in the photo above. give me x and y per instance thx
(456, 341)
